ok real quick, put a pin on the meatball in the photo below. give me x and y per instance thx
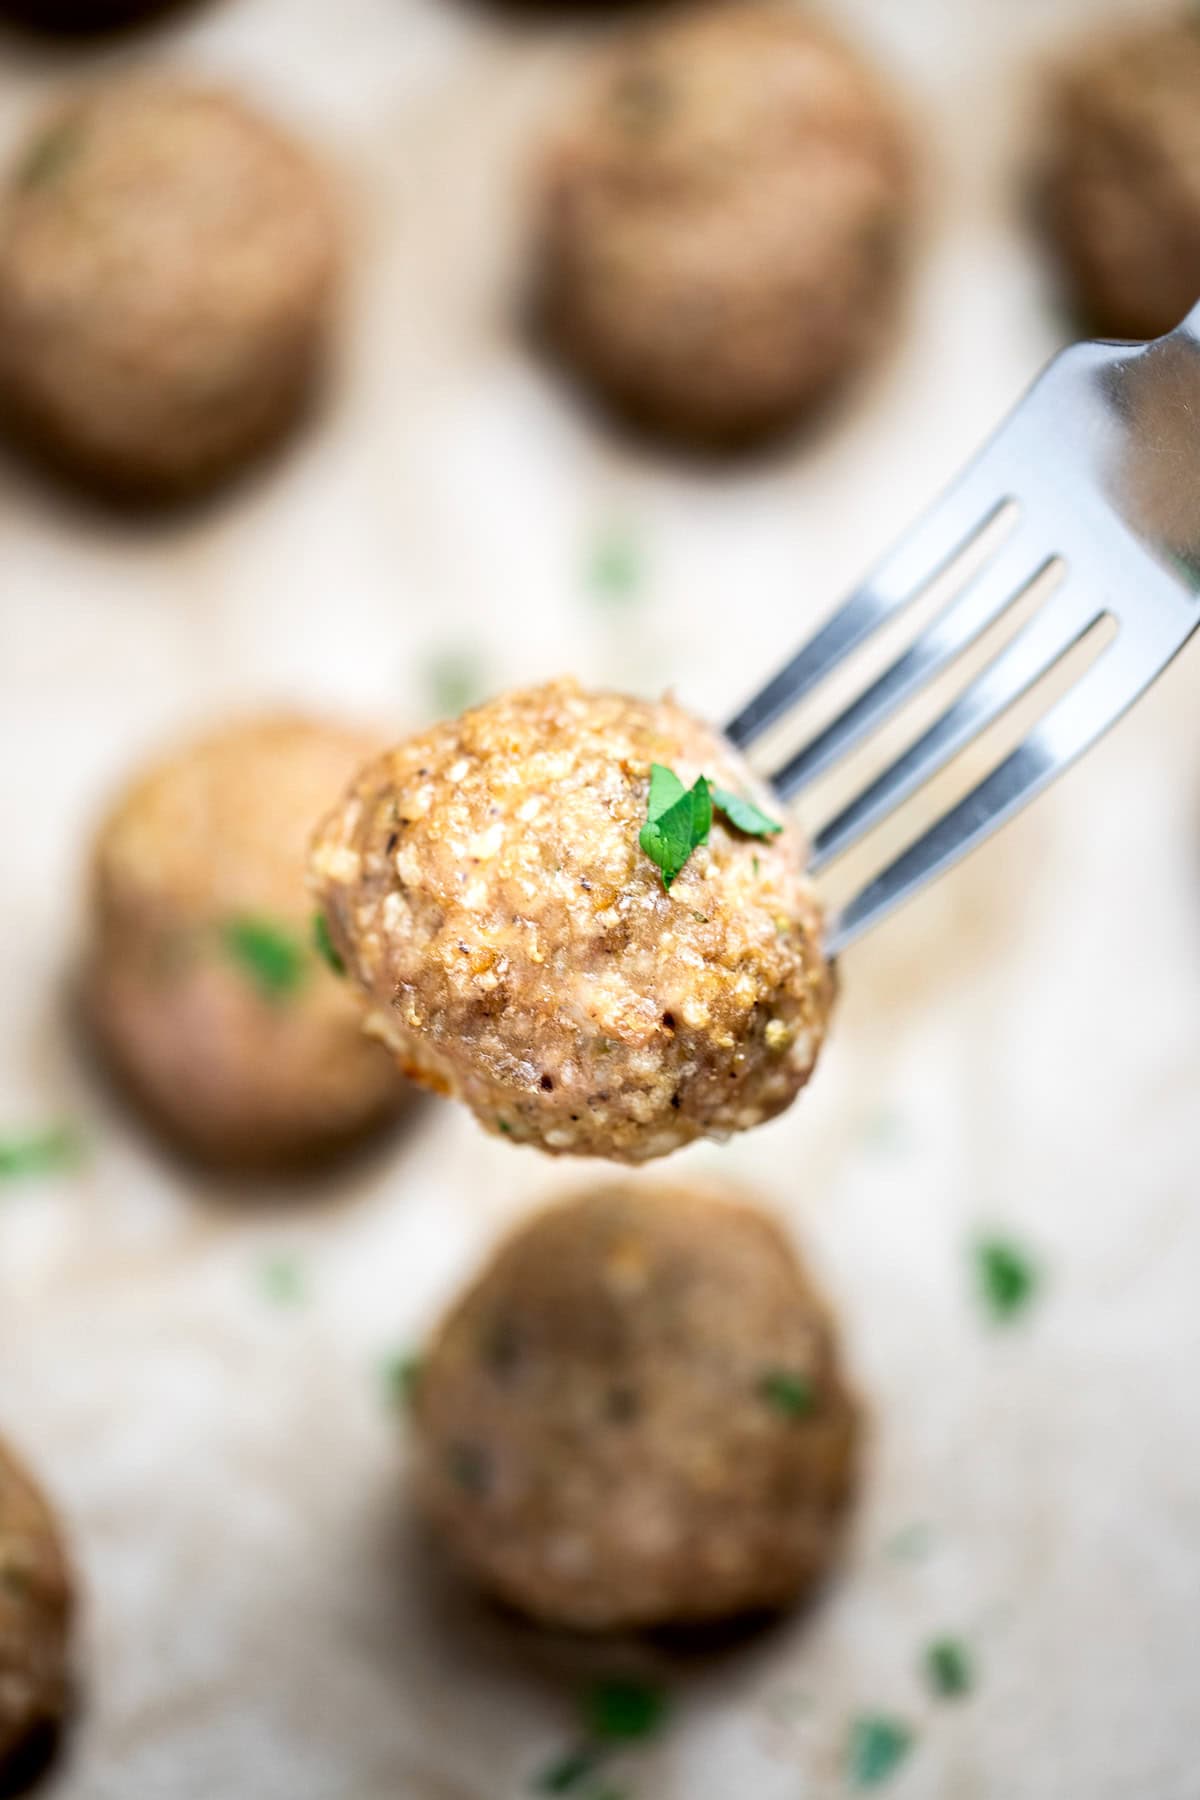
(636, 1416)
(1120, 195)
(721, 222)
(204, 984)
(36, 1604)
(486, 885)
(167, 282)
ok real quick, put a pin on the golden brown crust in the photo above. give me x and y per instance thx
(36, 1606)
(214, 834)
(722, 221)
(168, 264)
(485, 883)
(598, 1442)
(1121, 185)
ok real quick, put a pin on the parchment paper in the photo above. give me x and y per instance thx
(1022, 1049)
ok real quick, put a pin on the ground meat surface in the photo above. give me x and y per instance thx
(36, 1604)
(203, 982)
(485, 884)
(636, 1415)
(167, 282)
(721, 221)
(1120, 194)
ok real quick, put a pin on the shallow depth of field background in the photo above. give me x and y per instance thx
(1020, 1051)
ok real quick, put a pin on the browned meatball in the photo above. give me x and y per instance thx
(36, 1604)
(486, 884)
(167, 281)
(1121, 189)
(203, 982)
(636, 1416)
(722, 220)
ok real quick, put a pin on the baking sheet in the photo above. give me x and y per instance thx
(1021, 1049)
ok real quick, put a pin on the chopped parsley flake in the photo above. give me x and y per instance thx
(456, 681)
(743, 815)
(1008, 1278)
(910, 1544)
(470, 1468)
(614, 570)
(50, 154)
(617, 1711)
(401, 1375)
(567, 1774)
(271, 955)
(679, 819)
(283, 1280)
(878, 1745)
(788, 1392)
(39, 1152)
(949, 1669)
(324, 944)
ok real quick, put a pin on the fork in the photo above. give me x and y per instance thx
(1096, 475)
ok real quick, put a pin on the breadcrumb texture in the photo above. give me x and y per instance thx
(722, 221)
(485, 883)
(168, 264)
(1121, 185)
(36, 1605)
(598, 1444)
(213, 835)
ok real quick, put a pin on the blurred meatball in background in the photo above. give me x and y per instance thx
(1120, 189)
(204, 983)
(721, 222)
(636, 1416)
(486, 884)
(36, 1607)
(168, 264)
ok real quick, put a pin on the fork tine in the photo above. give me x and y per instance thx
(1096, 701)
(1007, 574)
(1030, 655)
(938, 538)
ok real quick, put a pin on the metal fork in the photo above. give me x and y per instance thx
(1097, 473)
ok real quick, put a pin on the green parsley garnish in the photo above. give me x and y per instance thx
(568, 1773)
(910, 1544)
(283, 1280)
(878, 1745)
(401, 1375)
(455, 680)
(324, 944)
(39, 1152)
(743, 815)
(470, 1467)
(1008, 1278)
(617, 1711)
(679, 820)
(270, 954)
(614, 570)
(50, 154)
(788, 1392)
(949, 1669)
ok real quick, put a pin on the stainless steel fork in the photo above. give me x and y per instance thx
(1097, 476)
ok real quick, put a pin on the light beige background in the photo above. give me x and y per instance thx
(1023, 1048)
